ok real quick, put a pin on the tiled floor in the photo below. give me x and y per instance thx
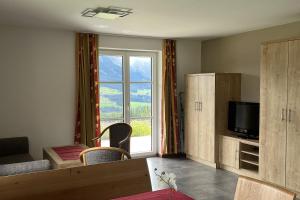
(196, 180)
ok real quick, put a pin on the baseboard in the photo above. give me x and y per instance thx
(205, 162)
(178, 155)
(241, 172)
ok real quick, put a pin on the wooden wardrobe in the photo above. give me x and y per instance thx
(280, 113)
(206, 105)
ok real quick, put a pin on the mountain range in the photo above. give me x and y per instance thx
(111, 68)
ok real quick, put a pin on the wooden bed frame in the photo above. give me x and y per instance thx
(103, 181)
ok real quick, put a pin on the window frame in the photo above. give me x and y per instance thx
(126, 91)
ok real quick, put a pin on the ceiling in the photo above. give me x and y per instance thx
(154, 18)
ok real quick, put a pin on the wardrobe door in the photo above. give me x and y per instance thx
(191, 116)
(273, 103)
(207, 118)
(293, 124)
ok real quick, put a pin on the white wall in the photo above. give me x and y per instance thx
(188, 54)
(37, 80)
(131, 43)
(241, 54)
(37, 86)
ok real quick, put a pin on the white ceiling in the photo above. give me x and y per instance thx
(154, 18)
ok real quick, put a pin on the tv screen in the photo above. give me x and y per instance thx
(243, 118)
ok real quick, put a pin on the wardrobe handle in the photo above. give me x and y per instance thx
(195, 105)
(235, 157)
(282, 114)
(290, 115)
(200, 106)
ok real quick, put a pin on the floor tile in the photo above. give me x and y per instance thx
(194, 179)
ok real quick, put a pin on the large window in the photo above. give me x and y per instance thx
(127, 95)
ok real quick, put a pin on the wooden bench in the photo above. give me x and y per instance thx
(103, 181)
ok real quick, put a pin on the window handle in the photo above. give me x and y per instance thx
(128, 107)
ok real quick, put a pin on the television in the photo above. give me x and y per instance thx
(243, 119)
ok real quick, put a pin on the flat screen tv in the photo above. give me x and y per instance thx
(243, 119)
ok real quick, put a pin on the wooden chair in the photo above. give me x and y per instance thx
(97, 155)
(251, 189)
(119, 135)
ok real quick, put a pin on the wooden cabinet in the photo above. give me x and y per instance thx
(191, 115)
(239, 155)
(206, 99)
(206, 120)
(229, 152)
(293, 118)
(273, 100)
(280, 113)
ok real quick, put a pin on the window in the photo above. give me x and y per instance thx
(127, 94)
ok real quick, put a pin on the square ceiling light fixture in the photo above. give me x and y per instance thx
(110, 12)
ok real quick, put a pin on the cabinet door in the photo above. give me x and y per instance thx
(293, 125)
(191, 116)
(207, 118)
(273, 102)
(229, 154)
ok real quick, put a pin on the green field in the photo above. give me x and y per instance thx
(139, 128)
(113, 109)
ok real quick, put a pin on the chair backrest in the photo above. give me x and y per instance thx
(119, 132)
(250, 189)
(97, 155)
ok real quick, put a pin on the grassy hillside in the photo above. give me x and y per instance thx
(111, 107)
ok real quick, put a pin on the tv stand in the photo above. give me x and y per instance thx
(242, 136)
(239, 155)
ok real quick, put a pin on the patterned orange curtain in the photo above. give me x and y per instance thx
(170, 131)
(88, 116)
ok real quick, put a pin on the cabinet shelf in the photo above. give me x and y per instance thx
(249, 156)
(252, 162)
(254, 153)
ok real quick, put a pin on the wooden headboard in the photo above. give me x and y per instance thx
(103, 181)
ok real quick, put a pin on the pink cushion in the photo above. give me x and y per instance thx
(157, 195)
(68, 152)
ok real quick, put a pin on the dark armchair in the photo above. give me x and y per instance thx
(119, 135)
(15, 157)
(14, 150)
